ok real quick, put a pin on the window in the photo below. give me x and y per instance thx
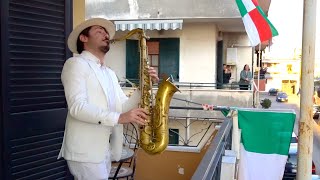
(173, 136)
(163, 55)
(153, 54)
(289, 68)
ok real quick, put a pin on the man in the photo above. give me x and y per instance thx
(226, 74)
(97, 106)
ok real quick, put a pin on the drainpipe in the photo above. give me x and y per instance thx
(305, 143)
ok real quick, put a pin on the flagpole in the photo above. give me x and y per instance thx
(305, 143)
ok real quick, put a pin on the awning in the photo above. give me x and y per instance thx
(149, 25)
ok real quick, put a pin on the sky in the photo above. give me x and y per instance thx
(287, 17)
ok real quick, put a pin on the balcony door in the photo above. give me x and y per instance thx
(163, 56)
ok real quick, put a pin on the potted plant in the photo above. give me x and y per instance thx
(265, 103)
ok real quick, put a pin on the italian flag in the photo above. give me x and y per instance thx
(256, 23)
(265, 142)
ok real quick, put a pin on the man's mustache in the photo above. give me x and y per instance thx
(107, 40)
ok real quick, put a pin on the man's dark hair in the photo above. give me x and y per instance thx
(80, 46)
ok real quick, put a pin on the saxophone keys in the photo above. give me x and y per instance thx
(148, 129)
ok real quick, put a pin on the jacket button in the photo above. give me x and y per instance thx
(99, 122)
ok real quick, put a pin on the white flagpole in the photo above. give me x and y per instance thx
(305, 143)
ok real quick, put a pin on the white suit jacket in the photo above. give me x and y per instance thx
(89, 124)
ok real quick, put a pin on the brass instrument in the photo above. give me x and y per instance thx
(154, 137)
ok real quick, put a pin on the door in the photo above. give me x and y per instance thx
(33, 51)
(132, 60)
(169, 57)
(219, 68)
(168, 62)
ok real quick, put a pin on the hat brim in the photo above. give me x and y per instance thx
(73, 37)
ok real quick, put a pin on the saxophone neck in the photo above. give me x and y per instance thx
(138, 31)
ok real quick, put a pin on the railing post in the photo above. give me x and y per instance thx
(235, 134)
(187, 133)
(228, 165)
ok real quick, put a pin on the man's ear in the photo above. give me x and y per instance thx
(83, 38)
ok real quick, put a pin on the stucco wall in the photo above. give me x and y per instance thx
(197, 52)
(169, 165)
(161, 9)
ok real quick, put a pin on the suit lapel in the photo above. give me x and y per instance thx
(99, 76)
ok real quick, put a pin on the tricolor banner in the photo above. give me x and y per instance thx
(257, 25)
(265, 142)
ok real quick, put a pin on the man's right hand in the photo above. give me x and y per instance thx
(137, 115)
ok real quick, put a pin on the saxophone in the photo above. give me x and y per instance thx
(154, 136)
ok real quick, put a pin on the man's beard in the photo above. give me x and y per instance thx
(104, 49)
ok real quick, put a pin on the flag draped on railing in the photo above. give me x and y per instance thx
(257, 25)
(264, 143)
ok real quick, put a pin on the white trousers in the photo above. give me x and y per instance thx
(90, 171)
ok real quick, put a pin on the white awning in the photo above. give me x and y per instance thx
(149, 25)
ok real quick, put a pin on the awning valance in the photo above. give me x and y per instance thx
(149, 25)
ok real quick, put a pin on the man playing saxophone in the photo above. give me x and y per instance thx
(97, 106)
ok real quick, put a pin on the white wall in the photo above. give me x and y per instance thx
(116, 59)
(197, 52)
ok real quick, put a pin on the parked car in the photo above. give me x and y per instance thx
(290, 171)
(282, 97)
(273, 92)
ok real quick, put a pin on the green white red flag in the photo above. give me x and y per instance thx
(265, 142)
(257, 25)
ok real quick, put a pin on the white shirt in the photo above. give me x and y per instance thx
(110, 87)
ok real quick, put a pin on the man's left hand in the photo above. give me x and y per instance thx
(153, 74)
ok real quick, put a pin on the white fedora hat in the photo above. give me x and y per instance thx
(73, 37)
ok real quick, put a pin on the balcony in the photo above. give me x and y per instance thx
(197, 136)
(201, 142)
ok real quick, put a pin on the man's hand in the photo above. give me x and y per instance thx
(137, 115)
(153, 74)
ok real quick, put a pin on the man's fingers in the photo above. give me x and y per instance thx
(140, 120)
(141, 110)
(142, 115)
(153, 74)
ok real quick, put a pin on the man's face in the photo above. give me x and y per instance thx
(98, 39)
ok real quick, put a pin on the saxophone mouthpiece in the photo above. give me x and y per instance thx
(112, 41)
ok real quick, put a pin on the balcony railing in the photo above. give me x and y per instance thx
(192, 85)
(191, 131)
(210, 165)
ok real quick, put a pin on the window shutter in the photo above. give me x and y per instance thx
(37, 54)
(33, 51)
(132, 59)
(169, 57)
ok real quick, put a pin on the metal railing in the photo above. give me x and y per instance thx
(210, 165)
(199, 133)
(194, 131)
(229, 86)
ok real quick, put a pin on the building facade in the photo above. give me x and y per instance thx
(283, 75)
(188, 39)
